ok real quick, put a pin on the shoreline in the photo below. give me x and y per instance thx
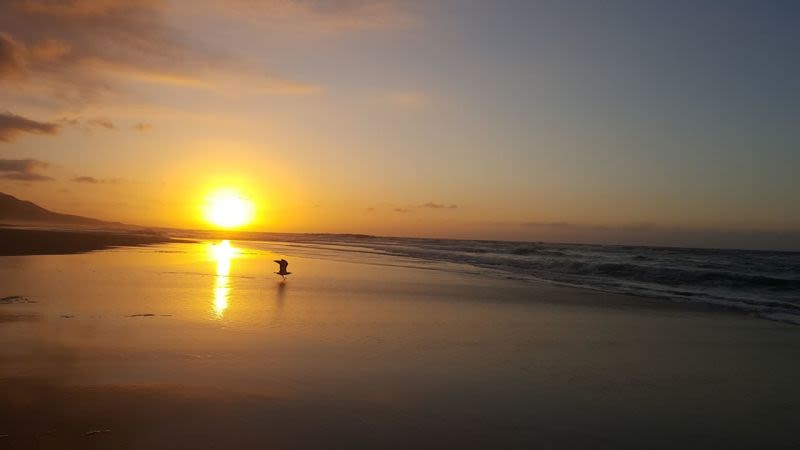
(348, 354)
(38, 241)
(32, 241)
(568, 293)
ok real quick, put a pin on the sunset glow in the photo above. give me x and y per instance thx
(229, 209)
(222, 253)
(398, 118)
(399, 224)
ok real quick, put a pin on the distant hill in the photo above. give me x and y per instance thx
(14, 210)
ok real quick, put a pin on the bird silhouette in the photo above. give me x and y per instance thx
(283, 265)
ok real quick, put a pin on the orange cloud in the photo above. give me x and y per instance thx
(103, 123)
(67, 54)
(80, 8)
(92, 180)
(23, 169)
(432, 205)
(12, 125)
(11, 56)
(50, 50)
(143, 127)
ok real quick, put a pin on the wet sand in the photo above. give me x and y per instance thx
(193, 346)
(28, 241)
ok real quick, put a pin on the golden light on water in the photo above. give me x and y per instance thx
(227, 208)
(222, 253)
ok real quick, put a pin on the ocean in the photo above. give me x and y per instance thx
(766, 283)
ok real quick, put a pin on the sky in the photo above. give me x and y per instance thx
(635, 122)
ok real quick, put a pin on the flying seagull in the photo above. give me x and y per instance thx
(283, 265)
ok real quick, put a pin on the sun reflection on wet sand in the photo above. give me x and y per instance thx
(223, 253)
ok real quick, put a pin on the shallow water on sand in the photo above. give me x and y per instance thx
(216, 313)
(202, 346)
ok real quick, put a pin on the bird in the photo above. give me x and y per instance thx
(283, 265)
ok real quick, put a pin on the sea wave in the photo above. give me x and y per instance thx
(762, 282)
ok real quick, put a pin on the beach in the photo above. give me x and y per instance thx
(387, 224)
(20, 241)
(200, 345)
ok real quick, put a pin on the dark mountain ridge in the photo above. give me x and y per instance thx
(14, 210)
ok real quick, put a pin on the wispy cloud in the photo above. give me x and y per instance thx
(564, 226)
(103, 123)
(412, 208)
(143, 127)
(317, 16)
(546, 225)
(92, 180)
(89, 125)
(68, 54)
(432, 205)
(23, 170)
(75, 8)
(11, 58)
(12, 125)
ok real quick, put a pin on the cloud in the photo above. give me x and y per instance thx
(625, 227)
(12, 125)
(87, 126)
(25, 177)
(546, 225)
(317, 16)
(92, 180)
(50, 50)
(10, 57)
(23, 170)
(352, 14)
(143, 127)
(85, 179)
(432, 205)
(72, 53)
(56, 38)
(74, 8)
(103, 123)
(411, 208)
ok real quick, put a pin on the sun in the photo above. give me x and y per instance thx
(229, 209)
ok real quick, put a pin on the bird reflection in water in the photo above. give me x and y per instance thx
(222, 253)
(280, 298)
(281, 295)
